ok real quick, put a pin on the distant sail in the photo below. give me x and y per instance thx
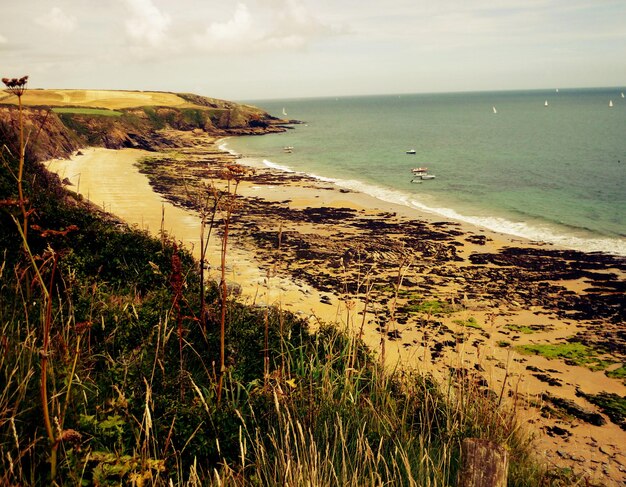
(545, 103)
(494, 110)
(610, 103)
(284, 112)
(622, 94)
(557, 90)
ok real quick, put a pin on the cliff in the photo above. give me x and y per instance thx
(60, 121)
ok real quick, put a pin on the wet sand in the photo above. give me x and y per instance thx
(328, 252)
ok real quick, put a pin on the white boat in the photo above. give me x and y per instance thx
(288, 149)
(610, 103)
(494, 110)
(284, 112)
(622, 94)
(411, 151)
(421, 174)
(545, 103)
(423, 177)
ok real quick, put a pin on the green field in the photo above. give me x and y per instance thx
(88, 111)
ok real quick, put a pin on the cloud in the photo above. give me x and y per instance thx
(57, 21)
(273, 25)
(147, 26)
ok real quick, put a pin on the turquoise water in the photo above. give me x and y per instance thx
(554, 174)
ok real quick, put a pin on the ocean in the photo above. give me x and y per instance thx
(547, 165)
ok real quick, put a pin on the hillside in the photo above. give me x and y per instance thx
(68, 119)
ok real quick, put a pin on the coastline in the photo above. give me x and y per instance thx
(313, 248)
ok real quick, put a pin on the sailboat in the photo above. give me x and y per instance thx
(494, 110)
(622, 94)
(545, 103)
(284, 112)
(610, 103)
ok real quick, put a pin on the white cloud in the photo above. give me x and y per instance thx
(273, 25)
(231, 34)
(147, 26)
(57, 21)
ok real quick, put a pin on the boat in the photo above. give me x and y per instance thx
(610, 103)
(421, 174)
(545, 103)
(494, 110)
(288, 149)
(622, 94)
(284, 112)
(411, 151)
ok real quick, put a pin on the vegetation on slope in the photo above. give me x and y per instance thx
(109, 371)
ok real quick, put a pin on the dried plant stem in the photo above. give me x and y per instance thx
(224, 288)
(204, 245)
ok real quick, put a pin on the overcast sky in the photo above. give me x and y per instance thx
(256, 49)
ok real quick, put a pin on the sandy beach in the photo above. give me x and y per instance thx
(427, 294)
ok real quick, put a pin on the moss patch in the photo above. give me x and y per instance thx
(470, 323)
(612, 405)
(525, 329)
(619, 373)
(432, 306)
(574, 353)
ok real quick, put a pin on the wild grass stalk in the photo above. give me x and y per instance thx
(232, 175)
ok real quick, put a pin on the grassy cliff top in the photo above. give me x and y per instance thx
(111, 99)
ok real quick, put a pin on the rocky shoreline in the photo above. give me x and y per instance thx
(540, 326)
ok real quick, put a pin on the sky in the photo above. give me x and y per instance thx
(273, 49)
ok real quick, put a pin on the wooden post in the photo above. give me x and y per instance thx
(483, 464)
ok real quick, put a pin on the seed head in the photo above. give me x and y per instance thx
(17, 86)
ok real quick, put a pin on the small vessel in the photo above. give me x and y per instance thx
(288, 149)
(545, 103)
(610, 103)
(421, 174)
(557, 90)
(622, 94)
(494, 110)
(411, 151)
(284, 112)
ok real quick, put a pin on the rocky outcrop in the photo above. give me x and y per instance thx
(47, 136)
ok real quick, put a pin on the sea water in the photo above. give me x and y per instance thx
(545, 165)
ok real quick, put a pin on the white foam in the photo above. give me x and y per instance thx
(321, 178)
(223, 146)
(542, 233)
(276, 166)
(614, 246)
(378, 192)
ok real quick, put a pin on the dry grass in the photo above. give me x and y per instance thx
(99, 99)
